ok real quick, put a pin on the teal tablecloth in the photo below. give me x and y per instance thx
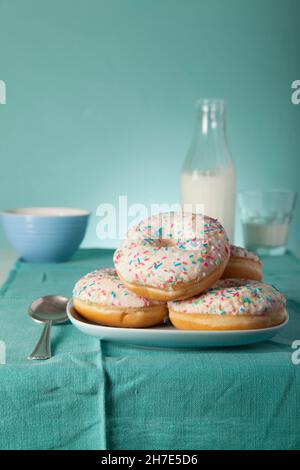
(97, 395)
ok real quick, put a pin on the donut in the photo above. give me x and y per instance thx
(100, 297)
(231, 304)
(243, 264)
(172, 255)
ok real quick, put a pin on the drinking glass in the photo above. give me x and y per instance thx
(266, 216)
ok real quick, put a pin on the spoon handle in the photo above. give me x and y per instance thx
(43, 347)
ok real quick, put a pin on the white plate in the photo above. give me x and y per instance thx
(168, 337)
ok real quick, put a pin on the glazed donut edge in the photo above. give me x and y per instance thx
(179, 292)
(198, 321)
(122, 317)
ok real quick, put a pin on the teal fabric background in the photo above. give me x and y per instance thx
(100, 97)
(99, 395)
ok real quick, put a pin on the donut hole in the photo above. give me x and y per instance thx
(166, 242)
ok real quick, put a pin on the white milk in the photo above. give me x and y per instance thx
(215, 190)
(265, 234)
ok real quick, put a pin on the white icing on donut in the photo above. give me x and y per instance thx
(240, 252)
(234, 297)
(103, 287)
(171, 248)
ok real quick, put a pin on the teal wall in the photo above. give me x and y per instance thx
(100, 96)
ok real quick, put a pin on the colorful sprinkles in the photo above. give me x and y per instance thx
(233, 297)
(171, 248)
(239, 252)
(105, 288)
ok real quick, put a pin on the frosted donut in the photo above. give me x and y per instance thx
(232, 304)
(99, 296)
(243, 264)
(172, 256)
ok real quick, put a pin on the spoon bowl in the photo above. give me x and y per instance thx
(50, 309)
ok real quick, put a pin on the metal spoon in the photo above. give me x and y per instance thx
(50, 309)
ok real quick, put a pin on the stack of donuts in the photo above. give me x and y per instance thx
(179, 267)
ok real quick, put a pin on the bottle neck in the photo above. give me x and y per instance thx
(209, 149)
(211, 119)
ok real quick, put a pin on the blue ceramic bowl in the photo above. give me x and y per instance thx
(45, 234)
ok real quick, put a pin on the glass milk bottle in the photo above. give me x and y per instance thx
(208, 173)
